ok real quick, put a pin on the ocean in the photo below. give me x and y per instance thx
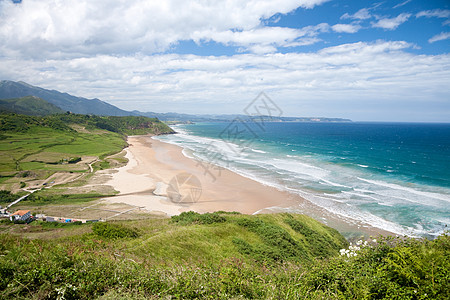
(393, 176)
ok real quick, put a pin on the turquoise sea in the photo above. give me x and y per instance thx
(394, 176)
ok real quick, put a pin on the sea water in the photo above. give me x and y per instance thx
(394, 176)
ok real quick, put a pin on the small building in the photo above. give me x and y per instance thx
(20, 215)
(50, 219)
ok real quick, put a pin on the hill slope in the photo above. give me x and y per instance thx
(196, 256)
(11, 89)
(34, 148)
(30, 105)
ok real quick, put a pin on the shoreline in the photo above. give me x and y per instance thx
(154, 165)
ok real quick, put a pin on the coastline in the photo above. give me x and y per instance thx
(154, 164)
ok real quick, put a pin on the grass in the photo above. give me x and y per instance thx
(42, 151)
(41, 144)
(60, 199)
(177, 259)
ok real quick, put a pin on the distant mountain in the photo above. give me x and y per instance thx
(79, 105)
(175, 117)
(12, 89)
(30, 105)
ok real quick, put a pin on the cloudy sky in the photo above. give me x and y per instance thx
(363, 60)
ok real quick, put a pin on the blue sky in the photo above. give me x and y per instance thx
(418, 29)
(363, 60)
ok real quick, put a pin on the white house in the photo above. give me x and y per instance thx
(20, 215)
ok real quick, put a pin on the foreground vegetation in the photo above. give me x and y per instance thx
(217, 256)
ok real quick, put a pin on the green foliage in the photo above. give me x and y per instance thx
(191, 217)
(86, 267)
(23, 123)
(395, 268)
(7, 196)
(129, 125)
(124, 125)
(40, 199)
(74, 160)
(278, 244)
(113, 231)
(318, 243)
(29, 105)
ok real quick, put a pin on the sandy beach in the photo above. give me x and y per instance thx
(160, 179)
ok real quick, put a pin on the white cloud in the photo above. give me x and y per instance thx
(334, 79)
(402, 4)
(440, 37)
(347, 28)
(264, 39)
(361, 14)
(55, 28)
(392, 23)
(438, 13)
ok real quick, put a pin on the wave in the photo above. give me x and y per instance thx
(409, 190)
(339, 189)
(258, 151)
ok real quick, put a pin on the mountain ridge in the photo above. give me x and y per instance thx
(11, 89)
(80, 105)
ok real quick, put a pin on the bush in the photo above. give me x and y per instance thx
(318, 244)
(191, 217)
(74, 160)
(7, 196)
(113, 231)
(278, 243)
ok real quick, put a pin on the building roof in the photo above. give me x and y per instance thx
(20, 212)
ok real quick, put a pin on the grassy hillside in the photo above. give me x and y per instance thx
(33, 148)
(29, 105)
(196, 256)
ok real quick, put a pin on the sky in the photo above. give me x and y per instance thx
(363, 60)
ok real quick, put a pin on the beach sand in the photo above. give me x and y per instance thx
(160, 179)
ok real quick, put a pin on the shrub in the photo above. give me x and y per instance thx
(191, 217)
(7, 196)
(114, 231)
(278, 243)
(319, 244)
(74, 160)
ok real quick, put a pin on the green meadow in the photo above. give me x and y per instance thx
(34, 148)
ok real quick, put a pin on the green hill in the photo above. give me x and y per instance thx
(124, 125)
(215, 256)
(67, 102)
(32, 148)
(29, 105)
